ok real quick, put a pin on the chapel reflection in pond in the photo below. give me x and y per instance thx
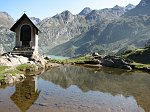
(26, 93)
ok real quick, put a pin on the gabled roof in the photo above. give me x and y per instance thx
(20, 20)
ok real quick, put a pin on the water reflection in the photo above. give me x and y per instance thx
(116, 82)
(26, 93)
(79, 89)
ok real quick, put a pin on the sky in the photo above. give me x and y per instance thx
(48, 8)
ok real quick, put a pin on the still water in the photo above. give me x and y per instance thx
(79, 89)
(57, 57)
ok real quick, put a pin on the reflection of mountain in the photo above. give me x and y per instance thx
(26, 93)
(107, 80)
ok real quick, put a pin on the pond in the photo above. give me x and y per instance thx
(57, 57)
(79, 89)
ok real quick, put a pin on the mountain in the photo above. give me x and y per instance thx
(5, 19)
(65, 26)
(141, 9)
(108, 38)
(107, 32)
(80, 34)
(129, 7)
(60, 28)
(6, 36)
(36, 21)
(85, 11)
(140, 55)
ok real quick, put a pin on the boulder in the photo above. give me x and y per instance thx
(116, 62)
(95, 61)
(12, 60)
(10, 79)
(95, 54)
(147, 69)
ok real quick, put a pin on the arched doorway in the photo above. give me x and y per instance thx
(25, 35)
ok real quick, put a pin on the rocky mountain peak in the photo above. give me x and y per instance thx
(66, 16)
(66, 13)
(6, 20)
(35, 20)
(117, 7)
(129, 7)
(85, 11)
(144, 3)
(141, 9)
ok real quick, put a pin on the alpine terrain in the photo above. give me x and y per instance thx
(107, 31)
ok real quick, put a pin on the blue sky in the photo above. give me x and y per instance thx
(48, 8)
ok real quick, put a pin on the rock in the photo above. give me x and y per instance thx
(46, 58)
(12, 60)
(127, 67)
(98, 57)
(95, 61)
(107, 62)
(9, 78)
(22, 76)
(116, 62)
(147, 69)
(95, 54)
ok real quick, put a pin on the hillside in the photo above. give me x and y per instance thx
(105, 31)
(6, 36)
(143, 8)
(65, 26)
(139, 55)
(107, 38)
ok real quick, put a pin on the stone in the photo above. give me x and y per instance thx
(107, 62)
(95, 54)
(9, 79)
(147, 69)
(12, 60)
(22, 76)
(116, 62)
(95, 61)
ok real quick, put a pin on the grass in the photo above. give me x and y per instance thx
(3, 69)
(8, 70)
(26, 67)
(18, 70)
(81, 59)
(139, 55)
(140, 65)
(13, 71)
(132, 52)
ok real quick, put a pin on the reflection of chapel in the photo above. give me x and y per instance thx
(26, 93)
(26, 37)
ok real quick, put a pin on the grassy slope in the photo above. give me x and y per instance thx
(139, 55)
(18, 70)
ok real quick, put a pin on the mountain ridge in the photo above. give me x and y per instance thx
(102, 31)
(141, 9)
(62, 27)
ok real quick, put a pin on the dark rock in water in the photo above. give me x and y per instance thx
(116, 62)
(107, 62)
(147, 69)
(92, 62)
(40, 104)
